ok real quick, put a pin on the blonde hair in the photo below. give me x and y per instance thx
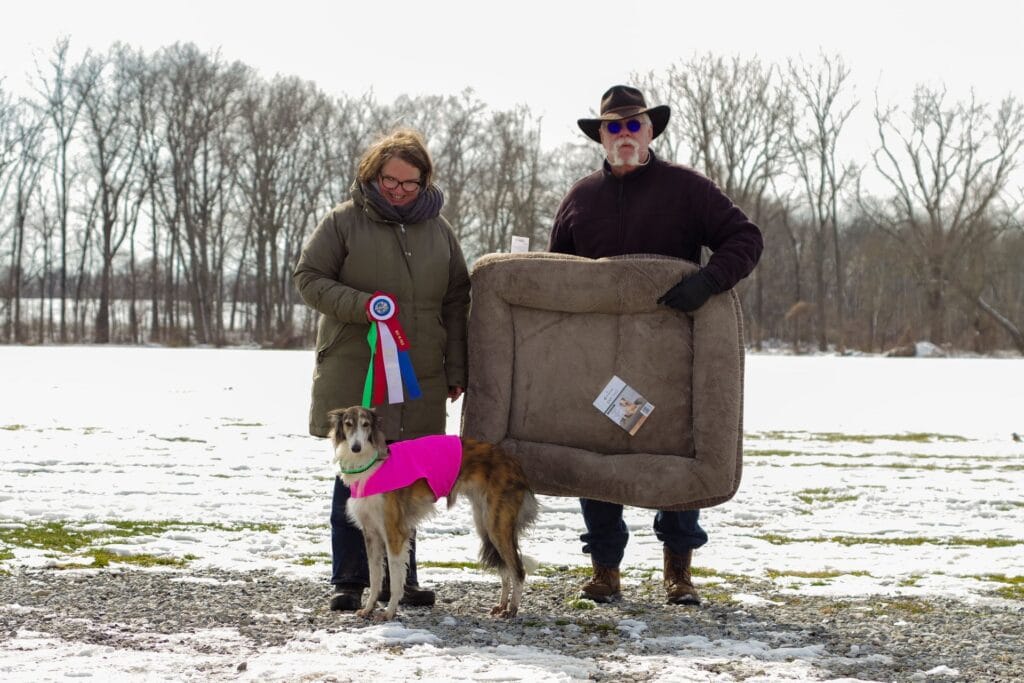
(405, 144)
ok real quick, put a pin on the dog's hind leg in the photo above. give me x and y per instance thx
(503, 532)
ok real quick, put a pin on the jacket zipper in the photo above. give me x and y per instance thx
(622, 217)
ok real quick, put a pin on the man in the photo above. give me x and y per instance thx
(639, 204)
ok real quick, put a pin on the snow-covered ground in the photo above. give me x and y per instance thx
(861, 475)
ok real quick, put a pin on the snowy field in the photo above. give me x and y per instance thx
(862, 475)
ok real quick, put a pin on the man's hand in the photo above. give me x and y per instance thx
(688, 294)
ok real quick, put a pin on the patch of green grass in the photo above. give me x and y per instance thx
(776, 573)
(578, 571)
(704, 572)
(13, 428)
(1013, 588)
(754, 453)
(644, 573)
(49, 536)
(910, 581)
(6, 555)
(310, 560)
(838, 437)
(243, 424)
(714, 594)
(580, 603)
(102, 558)
(182, 439)
(67, 538)
(449, 565)
(823, 495)
(898, 466)
(1011, 592)
(777, 539)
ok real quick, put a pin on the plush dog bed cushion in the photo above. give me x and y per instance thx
(546, 334)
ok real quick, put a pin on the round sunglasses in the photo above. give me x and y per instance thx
(615, 127)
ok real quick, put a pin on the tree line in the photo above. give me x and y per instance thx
(164, 197)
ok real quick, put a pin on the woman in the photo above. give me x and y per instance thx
(389, 237)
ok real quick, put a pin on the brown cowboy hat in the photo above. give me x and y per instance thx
(623, 102)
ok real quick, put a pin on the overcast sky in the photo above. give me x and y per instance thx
(554, 55)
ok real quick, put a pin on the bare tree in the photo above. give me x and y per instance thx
(814, 129)
(114, 149)
(8, 138)
(61, 90)
(994, 282)
(199, 100)
(663, 89)
(28, 164)
(459, 144)
(512, 192)
(276, 163)
(947, 166)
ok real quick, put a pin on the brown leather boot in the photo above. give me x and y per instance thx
(679, 588)
(603, 586)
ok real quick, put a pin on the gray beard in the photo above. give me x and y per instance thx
(615, 158)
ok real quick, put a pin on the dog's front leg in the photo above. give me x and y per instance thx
(398, 565)
(375, 559)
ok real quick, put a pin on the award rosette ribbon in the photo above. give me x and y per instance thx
(390, 377)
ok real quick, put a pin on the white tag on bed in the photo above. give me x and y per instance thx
(623, 405)
(520, 245)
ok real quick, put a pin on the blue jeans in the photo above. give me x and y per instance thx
(607, 534)
(348, 551)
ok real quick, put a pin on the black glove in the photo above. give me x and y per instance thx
(689, 294)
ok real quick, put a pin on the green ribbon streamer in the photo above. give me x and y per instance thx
(371, 339)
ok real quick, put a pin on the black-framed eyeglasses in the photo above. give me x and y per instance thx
(391, 183)
(615, 127)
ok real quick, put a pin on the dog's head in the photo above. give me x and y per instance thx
(355, 429)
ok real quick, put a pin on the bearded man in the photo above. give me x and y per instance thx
(639, 204)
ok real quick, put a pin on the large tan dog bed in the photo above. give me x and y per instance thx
(546, 334)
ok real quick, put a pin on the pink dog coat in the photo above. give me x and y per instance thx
(437, 459)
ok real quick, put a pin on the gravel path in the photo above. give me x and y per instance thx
(879, 639)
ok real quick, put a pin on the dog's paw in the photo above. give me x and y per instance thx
(504, 611)
(365, 612)
(387, 615)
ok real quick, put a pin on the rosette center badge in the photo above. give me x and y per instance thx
(381, 307)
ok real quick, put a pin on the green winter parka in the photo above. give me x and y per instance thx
(355, 252)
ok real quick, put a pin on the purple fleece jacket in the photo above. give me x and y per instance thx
(660, 208)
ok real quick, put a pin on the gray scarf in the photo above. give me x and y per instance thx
(427, 205)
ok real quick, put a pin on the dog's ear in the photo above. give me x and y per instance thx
(334, 417)
(379, 440)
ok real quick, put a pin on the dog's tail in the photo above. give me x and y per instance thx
(492, 558)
